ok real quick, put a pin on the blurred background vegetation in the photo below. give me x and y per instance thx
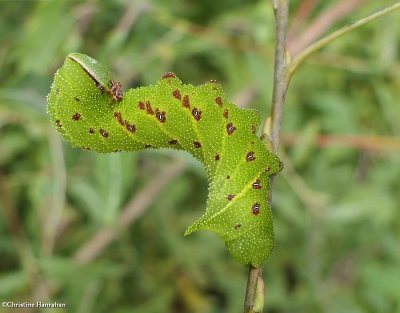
(104, 233)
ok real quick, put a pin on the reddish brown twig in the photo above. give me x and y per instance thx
(321, 24)
(354, 141)
(300, 17)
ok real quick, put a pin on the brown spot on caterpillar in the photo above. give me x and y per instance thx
(253, 129)
(197, 144)
(76, 117)
(116, 91)
(103, 132)
(98, 85)
(58, 123)
(217, 157)
(118, 116)
(196, 114)
(177, 94)
(215, 82)
(91, 130)
(86, 148)
(257, 185)
(77, 99)
(255, 209)
(250, 156)
(130, 127)
(186, 102)
(230, 197)
(149, 108)
(161, 116)
(230, 128)
(57, 91)
(141, 105)
(148, 146)
(228, 177)
(225, 114)
(117, 150)
(267, 168)
(218, 100)
(173, 142)
(237, 226)
(168, 75)
(281, 165)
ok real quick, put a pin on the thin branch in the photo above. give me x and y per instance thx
(336, 34)
(281, 9)
(254, 300)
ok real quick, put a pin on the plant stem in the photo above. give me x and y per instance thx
(281, 10)
(299, 59)
(254, 300)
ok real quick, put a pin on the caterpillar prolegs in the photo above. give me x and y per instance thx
(90, 111)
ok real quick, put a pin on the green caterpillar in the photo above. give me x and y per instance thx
(90, 110)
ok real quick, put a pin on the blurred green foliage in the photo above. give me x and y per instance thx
(336, 206)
